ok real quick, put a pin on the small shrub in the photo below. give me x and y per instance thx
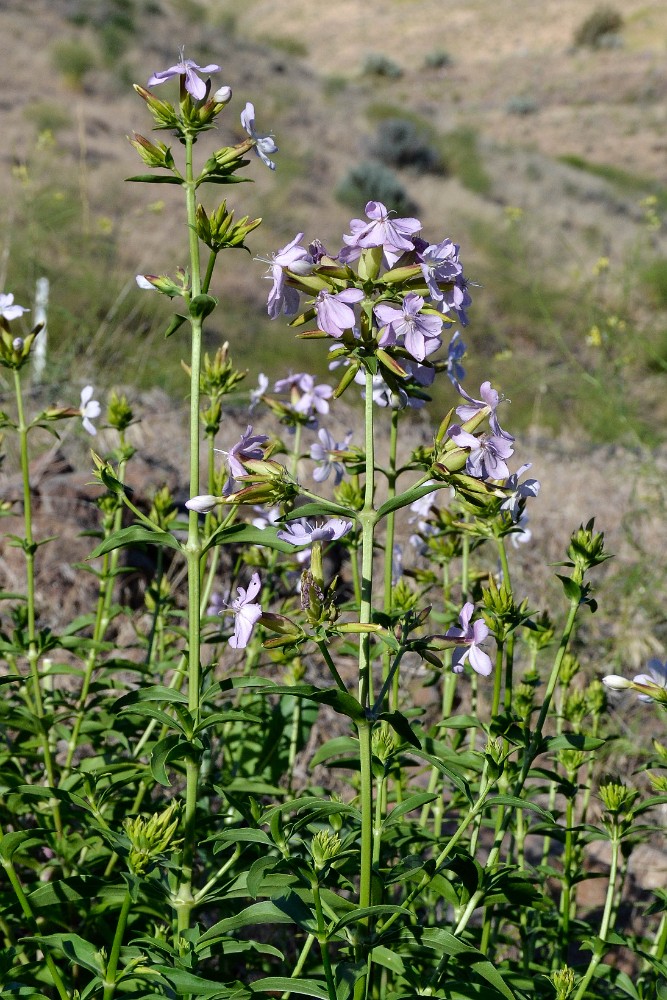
(522, 105)
(332, 86)
(461, 152)
(371, 181)
(654, 279)
(376, 64)
(290, 46)
(438, 59)
(600, 29)
(46, 116)
(74, 60)
(400, 143)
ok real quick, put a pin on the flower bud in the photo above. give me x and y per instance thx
(616, 683)
(203, 504)
(223, 95)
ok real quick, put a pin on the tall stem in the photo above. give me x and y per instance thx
(112, 964)
(367, 518)
(29, 551)
(193, 553)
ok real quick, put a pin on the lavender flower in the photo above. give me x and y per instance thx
(656, 677)
(90, 409)
(327, 454)
(455, 352)
(248, 446)
(529, 488)
(490, 398)
(264, 144)
(314, 397)
(440, 262)
(333, 312)
(188, 69)
(247, 613)
(303, 533)
(418, 332)
(470, 636)
(8, 310)
(487, 453)
(256, 394)
(394, 235)
(282, 297)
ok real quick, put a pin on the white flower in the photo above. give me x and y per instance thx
(8, 310)
(202, 504)
(90, 409)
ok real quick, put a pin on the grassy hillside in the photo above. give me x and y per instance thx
(536, 154)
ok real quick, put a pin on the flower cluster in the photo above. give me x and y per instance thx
(392, 308)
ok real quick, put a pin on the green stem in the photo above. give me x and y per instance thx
(324, 943)
(527, 763)
(193, 551)
(301, 961)
(29, 552)
(600, 944)
(30, 917)
(112, 964)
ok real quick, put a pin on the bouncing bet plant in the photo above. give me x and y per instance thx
(164, 833)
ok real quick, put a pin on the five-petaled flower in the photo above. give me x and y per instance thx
(188, 69)
(248, 446)
(8, 309)
(246, 613)
(470, 637)
(487, 453)
(393, 235)
(408, 326)
(334, 313)
(90, 409)
(295, 258)
(305, 534)
(264, 144)
(490, 398)
(328, 453)
(519, 492)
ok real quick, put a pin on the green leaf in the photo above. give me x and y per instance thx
(576, 741)
(12, 842)
(406, 498)
(516, 803)
(444, 942)
(165, 751)
(175, 323)
(248, 534)
(69, 890)
(573, 590)
(155, 693)
(265, 912)
(134, 535)
(415, 801)
(75, 947)
(340, 701)
(202, 306)
(305, 987)
(332, 748)
(154, 179)
(361, 912)
(187, 984)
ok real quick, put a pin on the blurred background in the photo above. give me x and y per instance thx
(532, 134)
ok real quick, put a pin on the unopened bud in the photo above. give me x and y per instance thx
(223, 95)
(203, 504)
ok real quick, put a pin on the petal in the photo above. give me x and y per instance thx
(480, 661)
